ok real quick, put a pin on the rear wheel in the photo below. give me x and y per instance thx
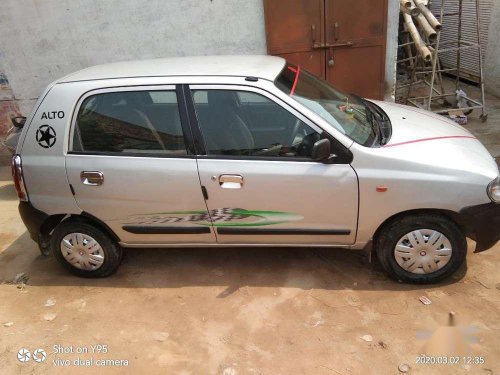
(85, 250)
(422, 248)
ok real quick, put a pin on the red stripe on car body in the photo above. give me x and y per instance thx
(430, 139)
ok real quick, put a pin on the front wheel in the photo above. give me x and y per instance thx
(423, 248)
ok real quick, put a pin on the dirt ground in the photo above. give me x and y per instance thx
(238, 311)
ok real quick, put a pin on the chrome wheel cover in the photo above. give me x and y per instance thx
(82, 251)
(423, 251)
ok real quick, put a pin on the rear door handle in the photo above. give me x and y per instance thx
(231, 181)
(92, 178)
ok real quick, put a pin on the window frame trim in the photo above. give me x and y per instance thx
(181, 107)
(257, 90)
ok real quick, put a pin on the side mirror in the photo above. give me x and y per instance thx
(18, 121)
(322, 150)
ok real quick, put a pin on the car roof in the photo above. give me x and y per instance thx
(261, 66)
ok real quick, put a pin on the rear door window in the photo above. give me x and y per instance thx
(130, 122)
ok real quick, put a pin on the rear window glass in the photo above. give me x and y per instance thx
(137, 122)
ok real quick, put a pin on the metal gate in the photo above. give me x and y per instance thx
(469, 67)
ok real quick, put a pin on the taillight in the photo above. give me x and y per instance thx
(17, 175)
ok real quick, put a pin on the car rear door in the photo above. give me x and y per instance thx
(131, 165)
(263, 187)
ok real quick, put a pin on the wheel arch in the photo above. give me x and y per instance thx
(455, 217)
(51, 222)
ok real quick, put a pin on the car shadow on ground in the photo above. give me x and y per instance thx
(303, 268)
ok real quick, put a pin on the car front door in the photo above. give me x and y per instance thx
(263, 187)
(132, 166)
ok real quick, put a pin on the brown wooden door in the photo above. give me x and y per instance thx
(292, 27)
(358, 28)
(342, 41)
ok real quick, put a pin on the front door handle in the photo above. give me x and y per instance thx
(92, 178)
(231, 181)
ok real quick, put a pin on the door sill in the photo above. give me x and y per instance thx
(188, 245)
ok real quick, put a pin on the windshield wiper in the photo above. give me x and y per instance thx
(378, 116)
(384, 122)
(378, 127)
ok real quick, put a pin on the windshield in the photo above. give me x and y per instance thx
(347, 113)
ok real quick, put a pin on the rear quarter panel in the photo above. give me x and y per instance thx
(44, 167)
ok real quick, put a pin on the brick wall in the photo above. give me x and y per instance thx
(8, 106)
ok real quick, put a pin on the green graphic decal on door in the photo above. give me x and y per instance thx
(219, 217)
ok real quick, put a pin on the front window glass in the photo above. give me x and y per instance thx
(346, 113)
(137, 122)
(243, 123)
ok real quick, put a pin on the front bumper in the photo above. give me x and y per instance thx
(483, 221)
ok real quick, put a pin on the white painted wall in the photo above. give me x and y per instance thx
(44, 40)
(41, 41)
(391, 49)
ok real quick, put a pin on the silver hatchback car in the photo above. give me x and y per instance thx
(247, 151)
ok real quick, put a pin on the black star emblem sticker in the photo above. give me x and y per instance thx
(46, 136)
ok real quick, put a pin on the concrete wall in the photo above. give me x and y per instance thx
(492, 60)
(8, 105)
(391, 49)
(44, 40)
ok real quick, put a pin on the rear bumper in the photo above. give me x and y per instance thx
(484, 222)
(32, 218)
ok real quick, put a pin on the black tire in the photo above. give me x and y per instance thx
(388, 237)
(113, 253)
